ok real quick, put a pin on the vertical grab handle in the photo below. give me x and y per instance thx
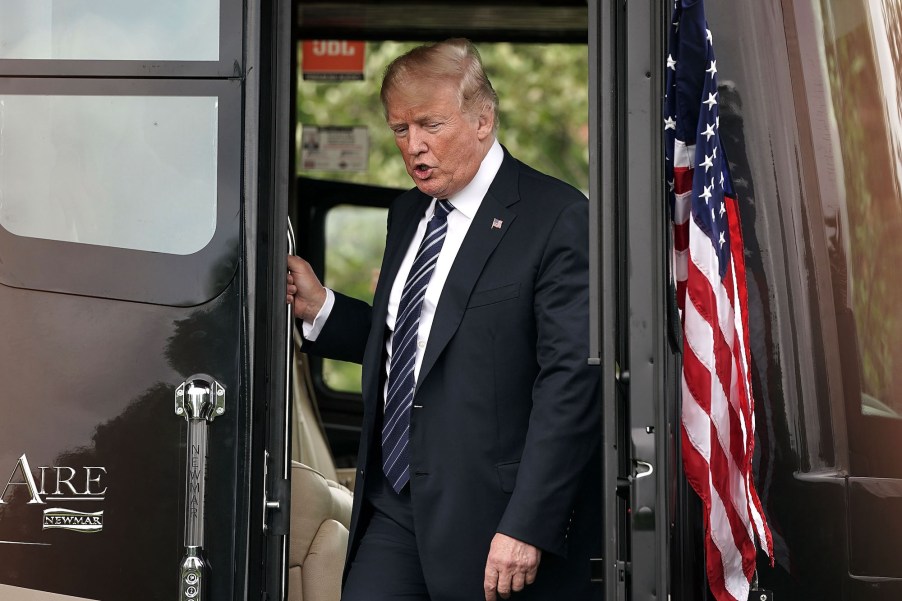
(268, 503)
(199, 399)
(289, 362)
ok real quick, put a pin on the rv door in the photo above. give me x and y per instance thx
(142, 245)
(630, 291)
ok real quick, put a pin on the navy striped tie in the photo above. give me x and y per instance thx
(401, 383)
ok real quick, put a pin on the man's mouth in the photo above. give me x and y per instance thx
(422, 171)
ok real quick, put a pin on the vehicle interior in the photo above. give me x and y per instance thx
(339, 211)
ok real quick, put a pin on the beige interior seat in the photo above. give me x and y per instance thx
(320, 505)
(320, 517)
(309, 444)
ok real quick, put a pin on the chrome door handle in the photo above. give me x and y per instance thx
(648, 469)
(199, 399)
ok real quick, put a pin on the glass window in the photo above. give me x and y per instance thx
(134, 172)
(355, 241)
(864, 61)
(167, 30)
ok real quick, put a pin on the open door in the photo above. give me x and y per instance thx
(141, 299)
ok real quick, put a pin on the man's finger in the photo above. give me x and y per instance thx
(518, 582)
(504, 583)
(504, 593)
(490, 584)
(532, 569)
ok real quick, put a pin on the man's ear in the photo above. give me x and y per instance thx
(486, 124)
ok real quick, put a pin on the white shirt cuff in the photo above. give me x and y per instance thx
(312, 330)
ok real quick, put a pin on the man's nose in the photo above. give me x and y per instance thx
(416, 142)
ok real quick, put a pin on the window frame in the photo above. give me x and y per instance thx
(127, 274)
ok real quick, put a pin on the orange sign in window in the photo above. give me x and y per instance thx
(332, 60)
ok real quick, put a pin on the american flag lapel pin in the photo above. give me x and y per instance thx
(496, 224)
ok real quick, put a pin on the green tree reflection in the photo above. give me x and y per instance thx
(867, 111)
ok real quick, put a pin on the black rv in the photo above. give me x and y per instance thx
(164, 437)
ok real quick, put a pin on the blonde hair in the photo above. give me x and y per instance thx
(455, 60)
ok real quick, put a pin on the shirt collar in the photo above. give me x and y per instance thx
(467, 201)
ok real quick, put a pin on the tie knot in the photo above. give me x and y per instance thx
(443, 207)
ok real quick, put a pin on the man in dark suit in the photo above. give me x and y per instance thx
(482, 416)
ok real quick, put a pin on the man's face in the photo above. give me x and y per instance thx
(442, 147)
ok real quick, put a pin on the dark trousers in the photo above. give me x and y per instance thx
(386, 566)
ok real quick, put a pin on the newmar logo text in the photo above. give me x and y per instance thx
(52, 484)
(68, 519)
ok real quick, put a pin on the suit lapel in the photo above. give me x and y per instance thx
(489, 226)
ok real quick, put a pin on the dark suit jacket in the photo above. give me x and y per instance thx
(507, 413)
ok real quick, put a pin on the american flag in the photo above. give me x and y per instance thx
(718, 426)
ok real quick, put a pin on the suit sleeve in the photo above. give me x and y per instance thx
(345, 332)
(565, 420)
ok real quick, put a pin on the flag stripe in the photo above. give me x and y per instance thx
(723, 477)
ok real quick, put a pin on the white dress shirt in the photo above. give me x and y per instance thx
(466, 203)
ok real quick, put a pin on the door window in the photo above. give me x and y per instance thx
(355, 241)
(100, 178)
(135, 172)
(110, 30)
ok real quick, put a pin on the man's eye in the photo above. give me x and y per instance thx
(399, 131)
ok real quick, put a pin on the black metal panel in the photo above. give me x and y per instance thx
(645, 217)
(806, 514)
(769, 125)
(89, 383)
(498, 20)
(875, 527)
(606, 337)
(275, 47)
